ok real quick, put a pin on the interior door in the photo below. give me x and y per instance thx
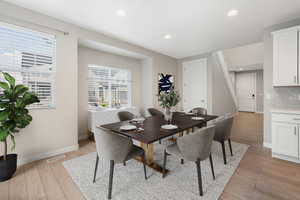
(195, 84)
(285, 137)
(245, 91)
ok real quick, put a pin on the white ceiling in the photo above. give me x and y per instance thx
(196, 26)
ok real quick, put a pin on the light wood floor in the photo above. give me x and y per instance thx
(258, 177)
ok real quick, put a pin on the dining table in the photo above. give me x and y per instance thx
(150, 130)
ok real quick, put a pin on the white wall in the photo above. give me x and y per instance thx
(88, 56)
(250, 56)
(56, 130)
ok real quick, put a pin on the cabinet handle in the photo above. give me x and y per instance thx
(296, 119)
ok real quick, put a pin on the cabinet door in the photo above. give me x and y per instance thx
(285, 58)
(285, 139)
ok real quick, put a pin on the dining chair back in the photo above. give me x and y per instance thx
(116, 149)
(197, 145)
(223, 129)
(199, 111)
(194, 147)
(125, 115)
(223, 132)
(155, 112)
(112, 146)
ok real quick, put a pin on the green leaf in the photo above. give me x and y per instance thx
(11, 80)
(3, 134)
(20, 89)
(3, 115)
(4, 85)
(30, 98)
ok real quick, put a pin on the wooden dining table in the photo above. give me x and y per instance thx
(150, 131)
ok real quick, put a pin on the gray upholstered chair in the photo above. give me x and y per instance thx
(194, 147)
(125, 115)
(199, 111)
(223, 132)
(155, 112)
(116, 149)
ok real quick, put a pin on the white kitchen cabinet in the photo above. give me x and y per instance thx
(285, 135)
(285, 57)
(285, 139)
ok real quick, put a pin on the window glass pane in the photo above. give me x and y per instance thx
(29, 56)
(108, 87)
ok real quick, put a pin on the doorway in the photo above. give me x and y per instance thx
(246, 91)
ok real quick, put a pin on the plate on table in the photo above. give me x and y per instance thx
(197, 118)
(140, 119)
(189, 113)
(127, 127)
(169, 126)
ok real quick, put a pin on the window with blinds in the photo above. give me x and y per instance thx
(29, 56)
(109, 87)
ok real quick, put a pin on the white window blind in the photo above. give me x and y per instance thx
(29, 56)
(109, 87)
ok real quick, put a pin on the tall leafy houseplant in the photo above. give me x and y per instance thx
(168, 100)
(13, 114)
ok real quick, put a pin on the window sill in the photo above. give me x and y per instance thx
(99, 109)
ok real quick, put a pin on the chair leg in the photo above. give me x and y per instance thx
(224, 153)
(164, 165)
(144, 165)
(212, 166)
(199, 177)
(230, 147)
(111, 175)
(96, 168)
(182, 161)
(124, 163)
(159, 141)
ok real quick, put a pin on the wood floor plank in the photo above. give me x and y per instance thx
(4, 190)
(50, 184)
(34, 184)
(66, 183)
(18, 186)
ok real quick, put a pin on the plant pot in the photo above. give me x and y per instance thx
(8, 167)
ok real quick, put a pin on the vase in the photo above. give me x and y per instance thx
(168, 115)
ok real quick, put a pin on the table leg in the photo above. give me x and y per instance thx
(149, 151)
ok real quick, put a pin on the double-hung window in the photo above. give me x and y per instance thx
(29, 56)
(109, 87)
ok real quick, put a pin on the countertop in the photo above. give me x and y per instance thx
(286, 111)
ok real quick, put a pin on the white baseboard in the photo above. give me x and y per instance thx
(28, 159)
(268, 145)
(287, 158)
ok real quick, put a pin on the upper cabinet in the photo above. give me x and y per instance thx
(286, 57)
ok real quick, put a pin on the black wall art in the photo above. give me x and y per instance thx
(165, 82)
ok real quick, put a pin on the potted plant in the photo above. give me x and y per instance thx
(168, 100)
(13, 116)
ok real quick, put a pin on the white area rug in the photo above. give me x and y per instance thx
(180, 184)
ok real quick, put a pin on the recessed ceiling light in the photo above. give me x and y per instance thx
(232, 13)
(121, 13)
(168, 36)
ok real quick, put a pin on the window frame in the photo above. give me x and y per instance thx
(52, 74)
